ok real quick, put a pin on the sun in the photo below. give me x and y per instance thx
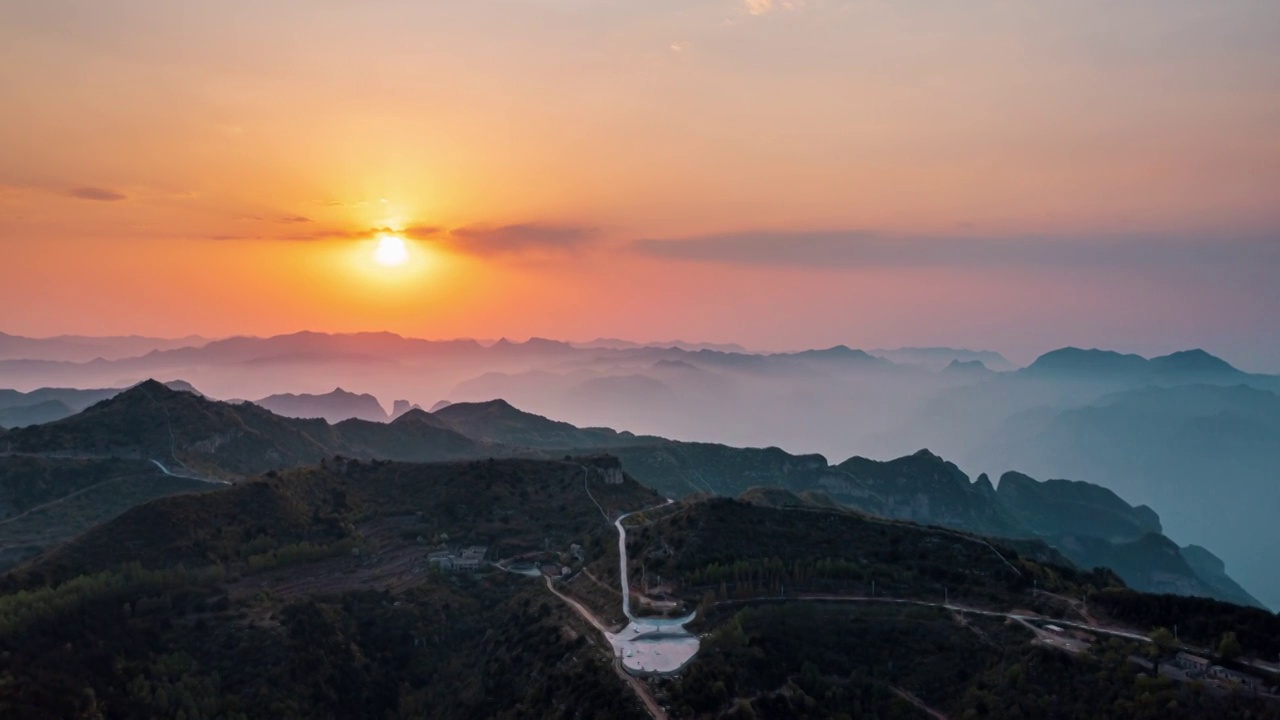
(391, 251)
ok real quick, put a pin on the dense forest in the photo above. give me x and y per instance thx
(140, 644)
(307, 593)
(815, 660)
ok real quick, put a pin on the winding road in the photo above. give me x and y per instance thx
(187, 476)
(637, 648)
(1127, 634)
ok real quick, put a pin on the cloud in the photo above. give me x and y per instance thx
(313, 236)
(96, 193)
(518, 239)
(861, 248)
(293, 219)
(422, 232)
(521, 238)
(762, 7)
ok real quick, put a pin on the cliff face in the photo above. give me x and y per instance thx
(1055, 507)
(925, 488)
(1090, 525)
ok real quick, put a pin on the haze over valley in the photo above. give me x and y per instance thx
(1185, 434)
(666, 360)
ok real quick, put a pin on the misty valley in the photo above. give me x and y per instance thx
(664, 360)
(611, 529)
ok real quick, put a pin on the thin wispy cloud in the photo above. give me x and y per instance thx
(763, 7)
(97, 194)
(483, 240)
(521, 238)
(861, 248)
(423, 232)
(277, 219)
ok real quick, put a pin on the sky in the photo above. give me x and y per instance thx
(779, 173)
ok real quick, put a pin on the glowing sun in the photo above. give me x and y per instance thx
(391, 251)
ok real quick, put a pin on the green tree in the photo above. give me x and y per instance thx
(1160, 646)
(1229, 646)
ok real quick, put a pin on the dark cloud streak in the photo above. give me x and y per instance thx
(521, 238)
(97, 194)
(858, 248)
(481, 240)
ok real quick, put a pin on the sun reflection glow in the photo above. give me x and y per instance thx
(391, 251)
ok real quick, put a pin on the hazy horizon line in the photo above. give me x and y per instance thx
(201, 340)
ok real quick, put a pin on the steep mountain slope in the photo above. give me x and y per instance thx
(1055, 507)
(415, 436)
(1089, 524)
(925, 488)
(151, 441)
(193, 436)
(310, 592)
(45, 500)
(1212, 570)
(1207, 453)
(306, 595)
(150, 421)
(1152, 563)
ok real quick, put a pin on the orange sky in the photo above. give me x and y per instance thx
(1016, 175)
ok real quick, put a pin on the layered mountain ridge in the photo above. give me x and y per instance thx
(186, 433)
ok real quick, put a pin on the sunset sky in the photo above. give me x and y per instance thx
(1013, 175)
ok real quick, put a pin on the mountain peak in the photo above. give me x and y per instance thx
(150, 385)
(1195, 361)
(334, 406)
(1070, 360)
(496, 405)
(966, 367)
(925, 454)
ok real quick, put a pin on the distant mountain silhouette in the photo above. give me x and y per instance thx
(1207, 453)
(1192, 361)
(936, 358)
(193, 435)
(333, 406)
(1075, 362)
(35, 414)
(78, 348)
(967, 369)
(616, 344)
(400, 407)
